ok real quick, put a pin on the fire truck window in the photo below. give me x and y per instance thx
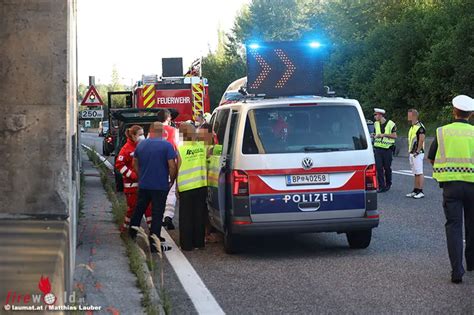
(220, 126)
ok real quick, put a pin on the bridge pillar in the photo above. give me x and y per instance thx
(39, 173)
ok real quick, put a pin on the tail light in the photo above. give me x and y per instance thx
(371, 177)
(240, 183)
(109, 139)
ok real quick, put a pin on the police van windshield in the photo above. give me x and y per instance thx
(293, 129)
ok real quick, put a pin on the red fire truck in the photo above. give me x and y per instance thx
(188, 94)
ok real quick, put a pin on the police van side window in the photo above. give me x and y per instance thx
(219, 127)
(233, 125)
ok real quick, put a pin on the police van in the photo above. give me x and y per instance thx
(292, 165)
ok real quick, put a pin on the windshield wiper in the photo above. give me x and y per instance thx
(314, 149)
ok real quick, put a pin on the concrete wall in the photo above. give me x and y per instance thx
(38, 136)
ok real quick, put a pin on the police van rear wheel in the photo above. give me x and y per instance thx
(230, 241)
(359, 239)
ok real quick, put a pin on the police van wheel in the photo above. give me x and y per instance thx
(230, 242)
(359, 239)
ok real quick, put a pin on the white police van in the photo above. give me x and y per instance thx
(292, 165)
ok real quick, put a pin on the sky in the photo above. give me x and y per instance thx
(133, 35)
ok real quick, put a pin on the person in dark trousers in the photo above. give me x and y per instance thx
(154, 161)
(192, 188)
(452, 156)
(171, 135)
(384, 143)
(416, 153)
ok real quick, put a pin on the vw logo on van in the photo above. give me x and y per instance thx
(307, 163)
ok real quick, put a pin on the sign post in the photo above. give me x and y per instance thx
(92, 98)
(91, 114)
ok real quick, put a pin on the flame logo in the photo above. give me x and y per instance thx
(44, 285)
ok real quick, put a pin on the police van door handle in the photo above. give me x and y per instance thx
(309, 206)
(224, 161)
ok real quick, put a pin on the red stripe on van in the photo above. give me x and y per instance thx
(258, 187)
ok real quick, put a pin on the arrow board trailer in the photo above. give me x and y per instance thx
(277, 69)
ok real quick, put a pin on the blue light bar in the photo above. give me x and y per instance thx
(315, 44)
(254, 46)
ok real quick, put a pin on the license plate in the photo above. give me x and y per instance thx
(307, 179)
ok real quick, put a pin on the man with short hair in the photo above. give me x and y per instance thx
(154, 161)
(416, 150)
(384, 142)
(452, 156)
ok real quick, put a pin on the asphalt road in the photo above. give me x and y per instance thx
(95, 142)
(405, 269)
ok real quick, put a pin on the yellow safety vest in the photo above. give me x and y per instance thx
(454, 159)
(192, 173)
(213, 166)
(412, 136)
(385, 142)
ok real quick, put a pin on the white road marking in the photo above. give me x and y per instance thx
(203, 300)
(404, 172)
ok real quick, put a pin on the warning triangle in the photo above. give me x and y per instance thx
(92, 98)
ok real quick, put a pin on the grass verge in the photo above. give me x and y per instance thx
(119, 207)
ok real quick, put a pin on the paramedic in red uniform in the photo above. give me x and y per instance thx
(124, 164)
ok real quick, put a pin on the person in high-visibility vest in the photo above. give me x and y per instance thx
(192, 189)
(452, 156)
(416, 152)
(204, 134)
(384, 142)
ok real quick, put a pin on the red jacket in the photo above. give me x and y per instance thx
(124, 164)
(169, 135)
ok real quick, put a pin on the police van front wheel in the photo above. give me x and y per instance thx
(359, 239)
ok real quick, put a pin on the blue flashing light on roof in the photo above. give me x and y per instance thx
(315, 44)
(254, 46)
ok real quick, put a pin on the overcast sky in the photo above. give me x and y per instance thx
(134, 35)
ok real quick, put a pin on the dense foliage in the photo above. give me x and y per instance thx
(394, 54)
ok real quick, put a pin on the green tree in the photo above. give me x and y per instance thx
(394, 54)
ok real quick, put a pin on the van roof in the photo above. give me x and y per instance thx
(261, 102)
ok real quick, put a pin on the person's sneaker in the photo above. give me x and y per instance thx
(419, 195)
(164, 248)
(411, 195)
(168, 223)
(456, 280)
(132, 233)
